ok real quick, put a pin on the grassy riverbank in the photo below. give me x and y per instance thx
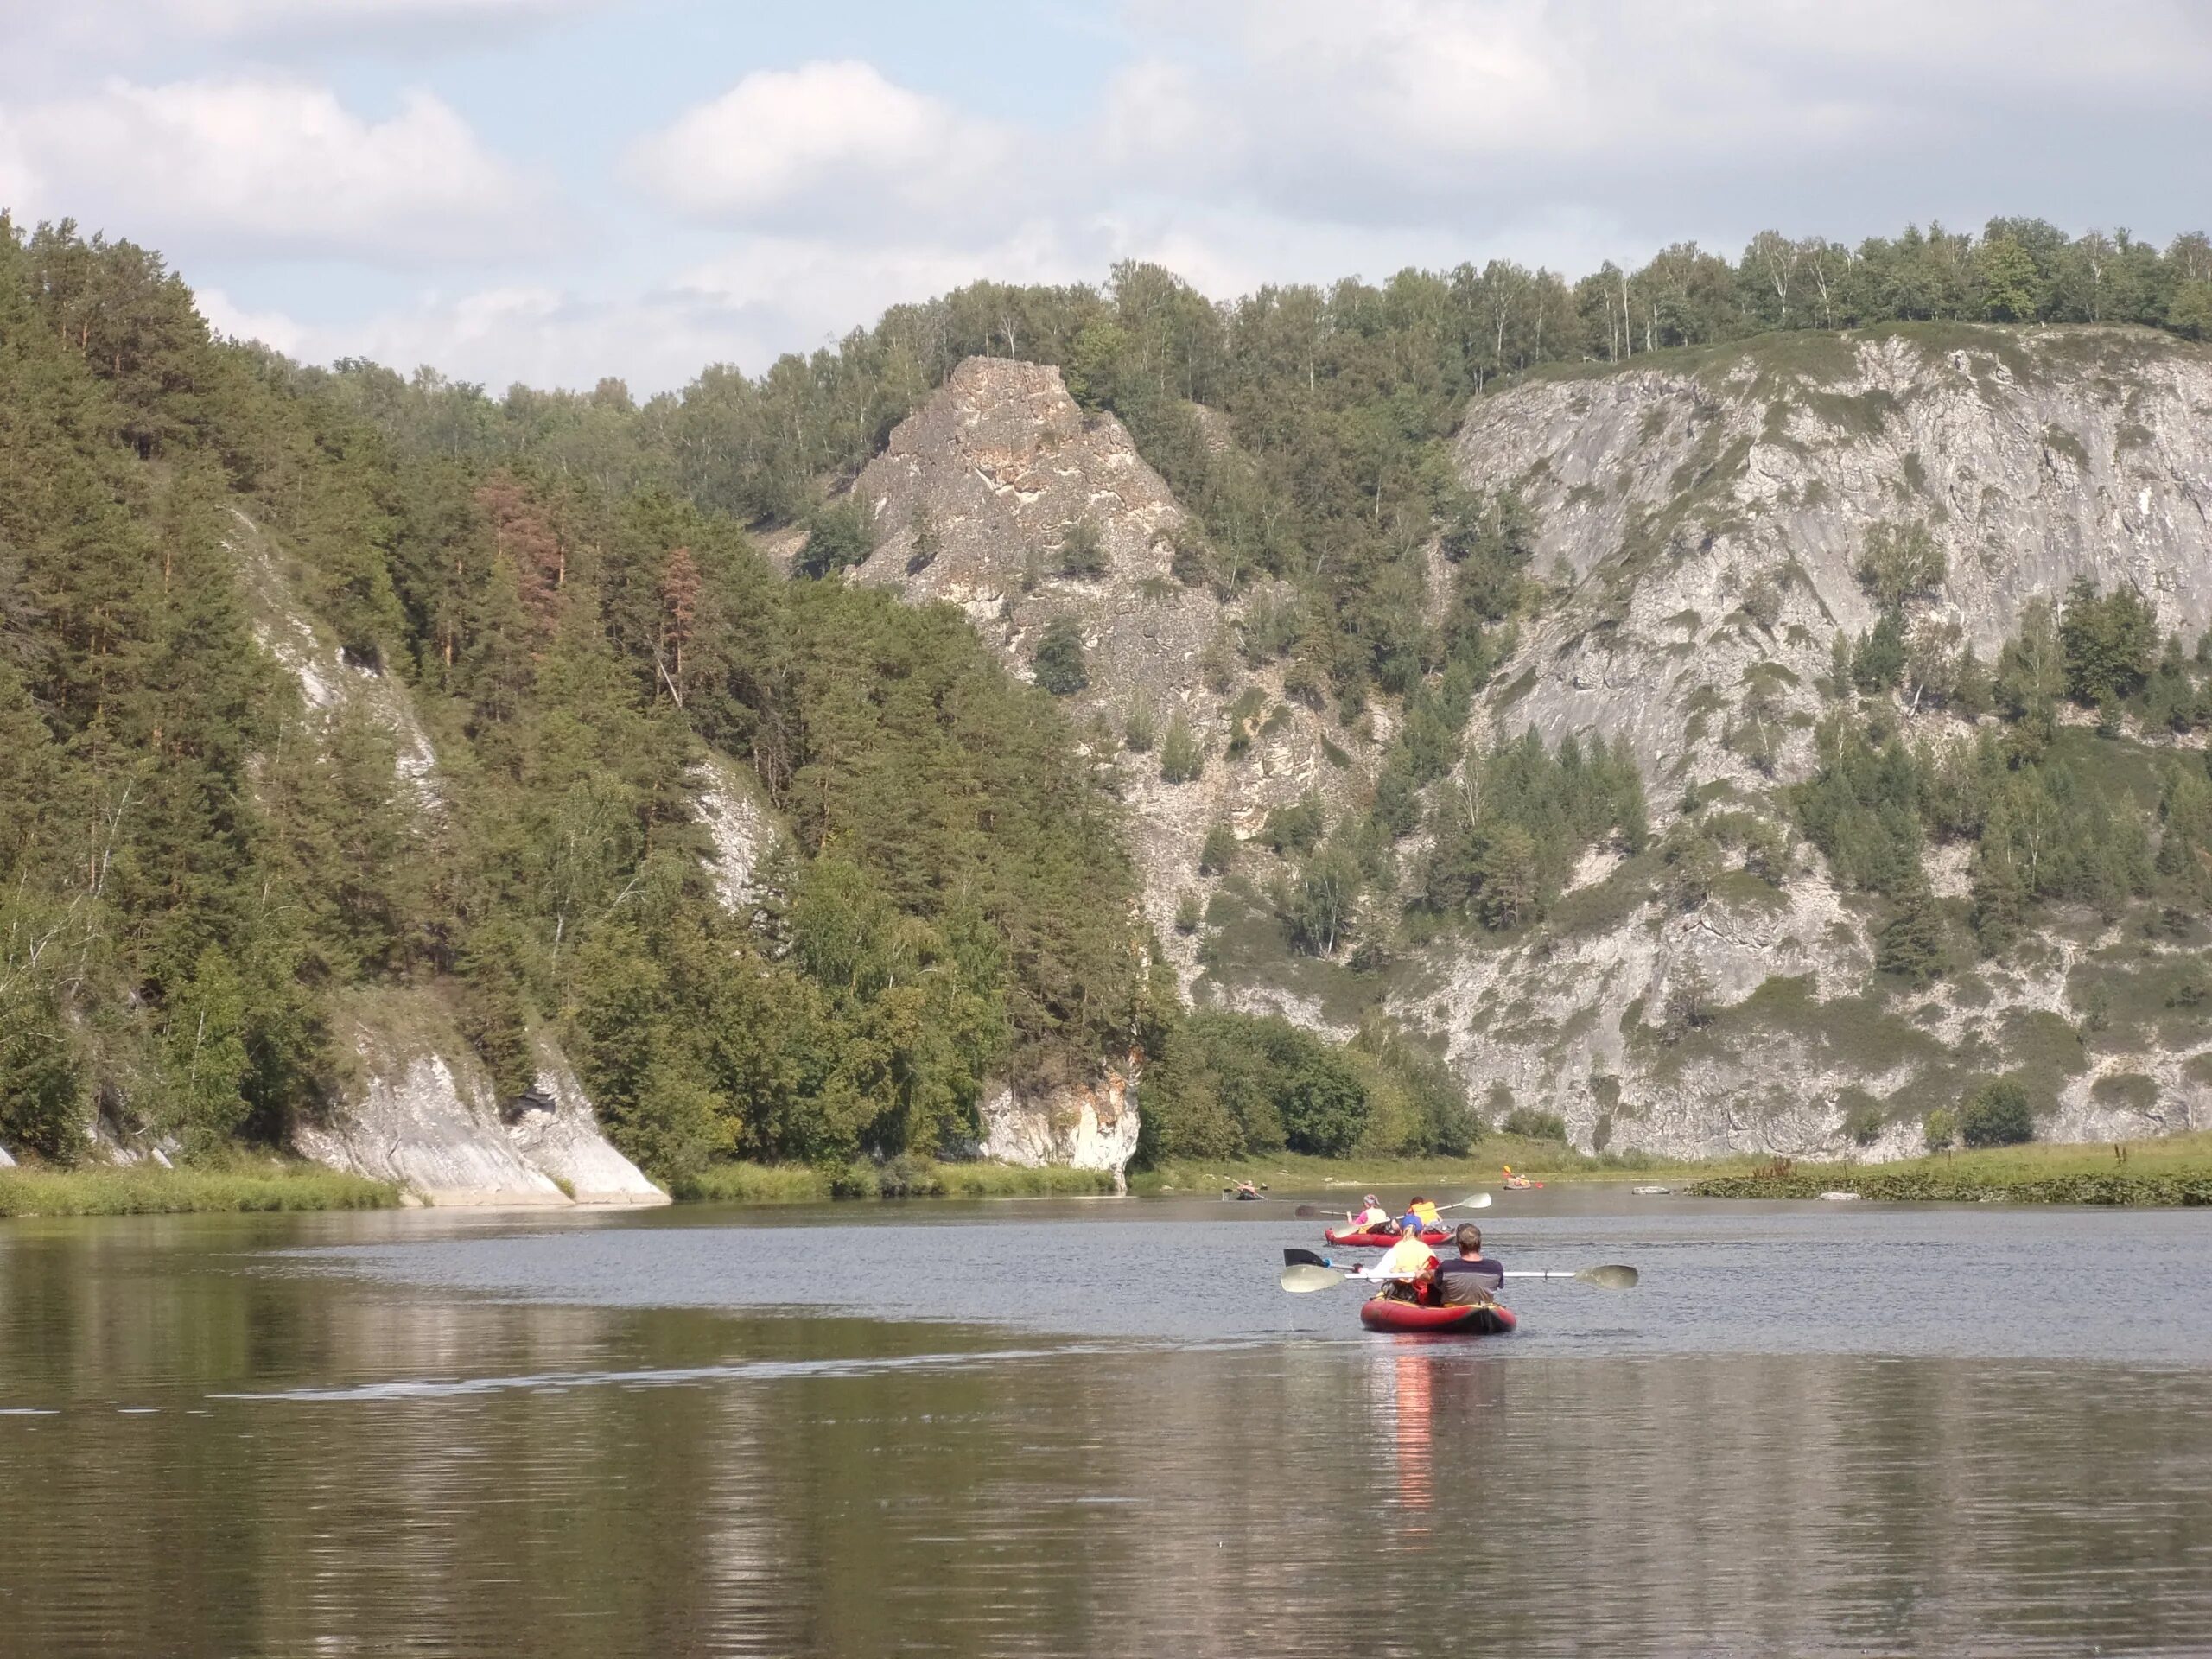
(1541, 1160)
(150, 1190)
(2177, 1170)
(900, 1178)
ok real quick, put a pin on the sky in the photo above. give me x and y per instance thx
(552, 191)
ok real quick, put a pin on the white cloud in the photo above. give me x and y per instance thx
(20, 191)
(1460, 110)
(269, 327)
(538, 336)
(271, 165)
(833, 143)
(116, 27)
(821, 287)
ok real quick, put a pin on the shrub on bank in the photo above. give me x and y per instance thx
(1533, 1125)
(1997, 1114)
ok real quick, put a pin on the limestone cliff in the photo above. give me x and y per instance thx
(1666, 497)
(1085, 1126)
(973, 503)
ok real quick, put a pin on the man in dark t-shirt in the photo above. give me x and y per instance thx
(1474, 1278)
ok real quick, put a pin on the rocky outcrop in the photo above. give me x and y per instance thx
(424, 1116)
(1665, 497)
(973, 500)
(420, 1111)
(1701, 524)
(740, 825)
(1085, 1126)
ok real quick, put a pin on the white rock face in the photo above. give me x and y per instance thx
(422, 1130)
(6, 1162)
(1662, 496)
(744, 832)
(565, 1143)
(1084, 1126)
(427, 1119)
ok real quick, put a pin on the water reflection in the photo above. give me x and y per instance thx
(1413, 1406)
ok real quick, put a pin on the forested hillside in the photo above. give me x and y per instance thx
(198, 864)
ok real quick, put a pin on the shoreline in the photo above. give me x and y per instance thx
(2174, 1171)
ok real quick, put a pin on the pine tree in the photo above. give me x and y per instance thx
(1913, 944)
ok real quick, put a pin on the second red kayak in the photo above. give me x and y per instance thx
(1359, 1241)
(1382, 1313)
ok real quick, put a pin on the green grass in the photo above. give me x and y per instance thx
(150, 1190)
(902, 1177)
(1249, 947)
(2173, 1170)
(1545, 1161)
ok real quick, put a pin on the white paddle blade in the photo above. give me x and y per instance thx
(1301, 1277)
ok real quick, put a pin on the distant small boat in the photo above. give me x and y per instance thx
(1651, 1191)
(1840, 1198)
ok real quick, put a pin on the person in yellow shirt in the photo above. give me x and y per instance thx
(1420, 1217)
(1406, 1270)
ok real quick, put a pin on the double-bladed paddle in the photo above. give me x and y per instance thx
(1303, 1271)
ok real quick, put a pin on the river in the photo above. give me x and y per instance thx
(1099, 1427)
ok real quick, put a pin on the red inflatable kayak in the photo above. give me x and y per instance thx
(1359, 1241)
(1383, 1314)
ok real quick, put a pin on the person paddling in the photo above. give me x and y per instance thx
(1472, 1278)
(1420, 1217)
(1517, 1183)
(1407, 1270)
(1373, 1218)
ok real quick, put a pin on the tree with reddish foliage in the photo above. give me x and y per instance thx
(525, 535)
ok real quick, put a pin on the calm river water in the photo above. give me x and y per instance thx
(1098, 1427)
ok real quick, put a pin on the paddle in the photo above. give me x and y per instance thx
(1607, 1278)
(1304, 1271)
